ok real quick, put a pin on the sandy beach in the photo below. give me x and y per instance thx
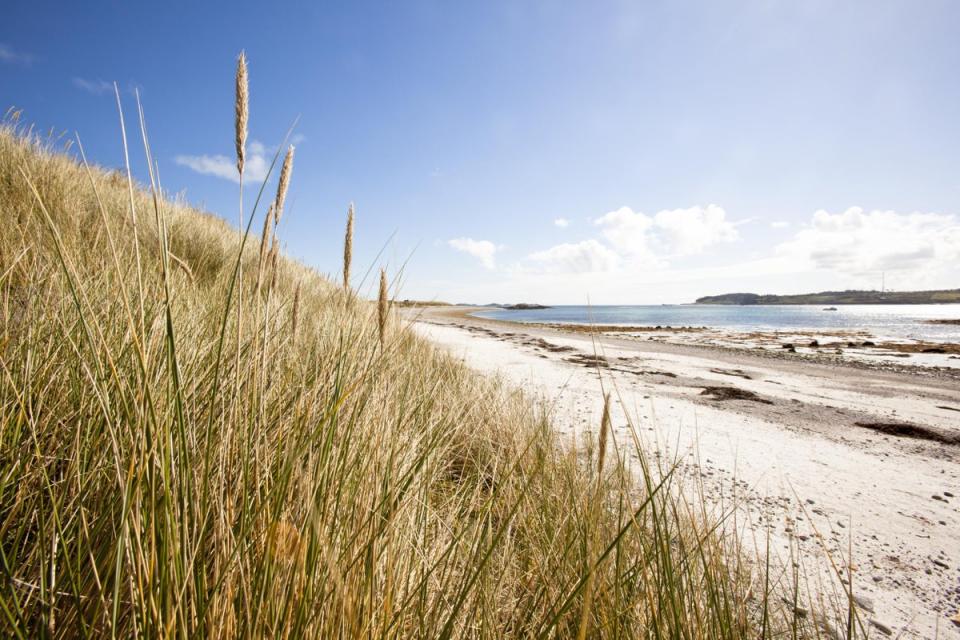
(855, 453)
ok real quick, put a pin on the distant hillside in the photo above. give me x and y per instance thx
(839, 297)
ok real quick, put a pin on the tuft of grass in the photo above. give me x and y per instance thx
(350, 481)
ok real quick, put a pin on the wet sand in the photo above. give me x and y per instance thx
(821, 451)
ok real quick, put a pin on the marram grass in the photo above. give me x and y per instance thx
(329, 474)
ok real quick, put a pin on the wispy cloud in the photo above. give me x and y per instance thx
(254, 171)
(96, 87)
(10, 55)
(779, 224)
(483, 250)
(100, 87)
(563, 223)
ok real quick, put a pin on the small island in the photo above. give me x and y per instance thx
(524, 306)
(941, 296)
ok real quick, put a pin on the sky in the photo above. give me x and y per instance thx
(603, 152)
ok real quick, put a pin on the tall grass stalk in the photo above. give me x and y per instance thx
(241, 118)
(595, 503)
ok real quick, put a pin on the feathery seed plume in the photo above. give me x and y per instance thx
(604, 429)
(242, 107)
(382, 306)
(296, 310)
(284, 183)
(274, 252)
(267, 235)
(348, 249)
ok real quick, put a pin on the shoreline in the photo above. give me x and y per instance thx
(809, 443)
(859, 348)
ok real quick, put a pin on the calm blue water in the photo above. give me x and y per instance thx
(884, 321)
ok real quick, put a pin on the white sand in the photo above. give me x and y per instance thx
(796, 466)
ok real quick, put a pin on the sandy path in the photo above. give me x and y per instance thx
(793, 456)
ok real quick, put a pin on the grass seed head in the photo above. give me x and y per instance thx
(296, 311)
(242, 107)
(273, 259)
(604, 429)
(348, 249)
(382, 306)
(284, 184)
(267, 236)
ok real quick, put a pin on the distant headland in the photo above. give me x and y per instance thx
(522, 306)
(940, 296)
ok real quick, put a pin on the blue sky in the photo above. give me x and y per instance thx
(558, 152)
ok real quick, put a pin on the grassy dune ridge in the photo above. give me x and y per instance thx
(171, 467)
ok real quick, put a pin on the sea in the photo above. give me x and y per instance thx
(892, 322)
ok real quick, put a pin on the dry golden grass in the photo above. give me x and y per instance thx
(348, 481)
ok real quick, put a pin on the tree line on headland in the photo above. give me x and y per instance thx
(940, 296)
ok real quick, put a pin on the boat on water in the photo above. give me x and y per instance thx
(829, 308)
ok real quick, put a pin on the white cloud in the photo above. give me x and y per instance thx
(679, 232)
(254, 170)
(858, 243)
(830, 251)
(627, 232)
(484, 250)
(12, 56)
(588, 256)
(779, 224)
(563, 223)
(690, 231)
(632, 239)
(96, 87)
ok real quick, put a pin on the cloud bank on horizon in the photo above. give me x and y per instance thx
(919, 250)
(858, 243)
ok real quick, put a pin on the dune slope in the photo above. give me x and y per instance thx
(189, 452)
